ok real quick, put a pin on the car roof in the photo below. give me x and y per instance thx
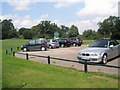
(39, 39)
(50, 39)
(105, 40)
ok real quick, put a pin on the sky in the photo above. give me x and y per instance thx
(85, 14)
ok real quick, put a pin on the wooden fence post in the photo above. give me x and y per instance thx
(6, 52)
(13, 54)
(17, 48)
(85, 67)
(48, 59)
(11, 49)
(27, 56)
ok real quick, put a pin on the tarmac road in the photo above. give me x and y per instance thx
(70, 53)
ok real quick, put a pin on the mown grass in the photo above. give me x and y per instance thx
(17, 71)
(87, 42)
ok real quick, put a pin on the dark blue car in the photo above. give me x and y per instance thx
(35, 44)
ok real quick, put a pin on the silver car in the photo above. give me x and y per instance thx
(100, 51)
(52, 43)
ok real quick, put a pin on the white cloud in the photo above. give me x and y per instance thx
(95, 8)
(94, 11)
(62, 4)
(66, 3)
(23, 21)
(44, 16)
(20, 5)
(83, 24)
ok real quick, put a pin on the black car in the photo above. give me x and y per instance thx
(64, 42)
(35, 44)
(76, 41)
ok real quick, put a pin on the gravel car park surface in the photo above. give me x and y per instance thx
(70, 53)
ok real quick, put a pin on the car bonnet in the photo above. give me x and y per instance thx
(94, 50)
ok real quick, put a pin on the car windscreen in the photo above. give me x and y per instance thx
(48, 40)
(54, 40)
(99, 43)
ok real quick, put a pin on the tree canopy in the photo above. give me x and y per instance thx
(108, 28)
(73, 31)
(8, 30)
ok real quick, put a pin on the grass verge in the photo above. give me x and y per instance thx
(29, 74)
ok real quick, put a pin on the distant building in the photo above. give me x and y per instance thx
(119, 9)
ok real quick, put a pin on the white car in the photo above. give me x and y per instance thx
(100, 51)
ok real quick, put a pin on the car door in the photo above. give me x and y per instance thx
(114, 49)
(38, 44)
(31, 45)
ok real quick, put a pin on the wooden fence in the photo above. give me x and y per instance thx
(82, 62)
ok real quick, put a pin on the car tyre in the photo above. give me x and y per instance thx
(24, 49)
(74, 44)
(43, 48)
(50, 47)
(62, 45)
(104, 59)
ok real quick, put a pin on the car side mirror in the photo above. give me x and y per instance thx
(111, 46)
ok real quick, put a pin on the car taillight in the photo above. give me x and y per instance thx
(65, 41)
(45, 43)
(78, 41)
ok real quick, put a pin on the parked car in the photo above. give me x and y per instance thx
(53, 43)
(64, 42)
(35, 44)
(100, 51)
(76, 41)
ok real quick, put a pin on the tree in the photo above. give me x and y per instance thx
(90, 34)
(64, 31)
(13, 34)
(110, 27)
(21, 30)
(73, 31)
(45, 29)
(28, 34)
(8, 30)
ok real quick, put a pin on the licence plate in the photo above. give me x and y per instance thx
(85, 59)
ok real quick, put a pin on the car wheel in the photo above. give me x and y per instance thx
(62, 45)
(43, 48)
(104, 59)
(74, 44)
(50, 47)
(24, 49)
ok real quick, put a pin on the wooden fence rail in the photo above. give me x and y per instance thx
(82, 62)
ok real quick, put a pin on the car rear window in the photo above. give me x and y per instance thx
(79, 38)
(48, 40)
